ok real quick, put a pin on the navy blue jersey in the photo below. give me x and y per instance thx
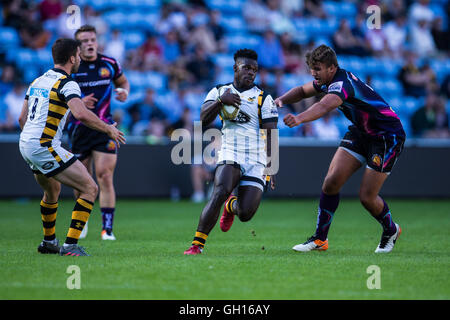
(365, 108)
(97, 77)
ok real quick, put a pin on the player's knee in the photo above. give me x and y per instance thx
(105, 177)
(91, 190)
(366, 197)
(221, 193)
(331, 185)
(246, 215)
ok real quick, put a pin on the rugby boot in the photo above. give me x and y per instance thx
(193, 250)
(72, 250)
(49, 247)
(226, 221)
(312, 243)
(108, 235)
(387, 241)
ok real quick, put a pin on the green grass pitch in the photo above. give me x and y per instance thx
(147, 261)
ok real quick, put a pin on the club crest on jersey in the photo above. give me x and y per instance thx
(376, 160)
(251, 99)
(104, 72)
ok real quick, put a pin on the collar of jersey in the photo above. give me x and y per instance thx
(60, 71)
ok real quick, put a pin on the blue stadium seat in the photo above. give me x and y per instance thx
(23, 57)
(357, 66)
(410, 105)
(387, 87)
(131, 20)
(238, 41)
(225, 6)
(234, 23)
(340, 9)
(224, 61)
(155, 80)
(9, 38)
(133, 39)
(44, 59)
(224, 77)
(136, 79)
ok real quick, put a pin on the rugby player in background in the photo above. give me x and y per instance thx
(42, 121)
(96, 76)
(376, 139)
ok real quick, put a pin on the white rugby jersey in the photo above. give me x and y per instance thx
(47, 107)
(242, 139)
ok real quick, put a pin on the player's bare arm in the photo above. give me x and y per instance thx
(122, 88)
(296, 94)
(269, 127)
(23, 114)
(211, 109)
(91, 120)
(317, 110)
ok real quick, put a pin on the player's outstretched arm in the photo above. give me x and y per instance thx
(23, 114)
(317, 110)
(296, 94)
(91, 120)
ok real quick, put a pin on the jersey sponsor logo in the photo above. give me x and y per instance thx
(336, 87)
(241, 117)
(94, 83)
(39, 92)
(48, 165)
(376, 160)
(104, 72)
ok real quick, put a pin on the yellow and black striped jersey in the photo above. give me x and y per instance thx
(47, 99)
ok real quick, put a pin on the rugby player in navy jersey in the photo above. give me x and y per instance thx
(97, 76)
(375, 138)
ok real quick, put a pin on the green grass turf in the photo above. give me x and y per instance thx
(147, 261)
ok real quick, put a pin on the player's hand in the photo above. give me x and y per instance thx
(229, 98)
(115, 134)
(89, 101)
(121, 94)
(291, 121)
(278, 103)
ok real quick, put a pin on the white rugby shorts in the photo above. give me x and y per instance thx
(46, 160)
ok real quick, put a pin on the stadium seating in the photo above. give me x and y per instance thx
(137, 18)
(9, 39)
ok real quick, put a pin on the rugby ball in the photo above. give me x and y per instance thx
(228, 112)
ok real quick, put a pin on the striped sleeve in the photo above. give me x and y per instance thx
(69, 89)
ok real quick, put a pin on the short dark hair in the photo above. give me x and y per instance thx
(85, 28)
(63, 49)
(245, 53)
(322, 54)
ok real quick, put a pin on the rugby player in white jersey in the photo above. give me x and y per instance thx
(244, 154)
(45, 109)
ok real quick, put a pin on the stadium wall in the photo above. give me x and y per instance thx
(147, 171)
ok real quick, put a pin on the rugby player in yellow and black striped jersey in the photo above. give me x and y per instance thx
(45, 109)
